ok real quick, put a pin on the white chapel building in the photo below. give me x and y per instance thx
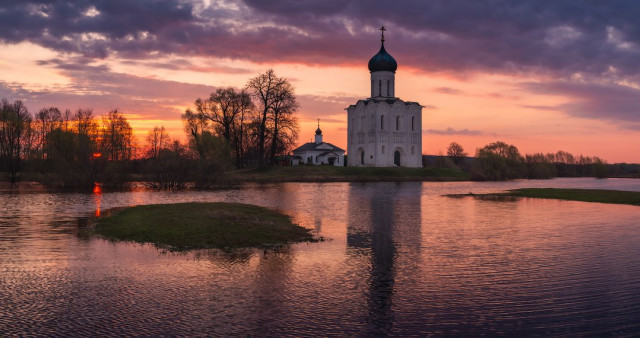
(383, 130)
(318, 152)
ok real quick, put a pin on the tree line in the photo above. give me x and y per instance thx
(502, 161)
(250, 126)
(70, 147)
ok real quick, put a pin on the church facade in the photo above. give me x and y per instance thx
(383, 130)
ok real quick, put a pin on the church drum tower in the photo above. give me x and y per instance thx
(383, 130)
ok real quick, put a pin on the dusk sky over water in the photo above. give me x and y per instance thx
(541, 75)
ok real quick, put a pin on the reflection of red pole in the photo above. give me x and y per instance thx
(97, 193)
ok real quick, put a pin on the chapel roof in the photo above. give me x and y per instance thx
(315, 146)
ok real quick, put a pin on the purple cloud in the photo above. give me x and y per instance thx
(560, 37)
(451, 131)
(608, 102)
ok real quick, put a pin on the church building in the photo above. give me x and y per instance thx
(383, 130)
(318, 152)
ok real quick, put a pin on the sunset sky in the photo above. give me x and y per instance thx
(542, 75)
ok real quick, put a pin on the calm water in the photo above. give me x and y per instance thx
(401, 260)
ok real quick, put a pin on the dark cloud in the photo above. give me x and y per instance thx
(451, 131)
(607, 102)
(548, 108)
(447, 90)
(459, 36)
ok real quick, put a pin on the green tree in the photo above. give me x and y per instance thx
(497, 161)
(456, 153)
(540, 166)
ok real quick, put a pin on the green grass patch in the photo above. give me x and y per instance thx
(583, 195)
(186, 226)
(346, 174)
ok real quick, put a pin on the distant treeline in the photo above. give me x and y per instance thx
(76, 149)
(502, 161)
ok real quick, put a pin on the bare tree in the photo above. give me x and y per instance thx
(227, 109)
(157, 139)
(117, 137)
(222, 112)
(85, 123)
(283, 123)
(265, 90)
(268, 90)
(48, 120)
(244, 110)
(15, 134)
(195, 124)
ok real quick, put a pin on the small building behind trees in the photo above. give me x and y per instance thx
(318, 153)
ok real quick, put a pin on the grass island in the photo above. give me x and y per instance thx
(582, 195)
(186, 226)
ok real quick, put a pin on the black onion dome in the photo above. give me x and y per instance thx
(383, 62)
(318, 131)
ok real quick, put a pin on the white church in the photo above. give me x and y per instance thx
(318, 152)
(383, 130)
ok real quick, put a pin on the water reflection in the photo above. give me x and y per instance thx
(400, 260)
(373, 229)
(97, 197)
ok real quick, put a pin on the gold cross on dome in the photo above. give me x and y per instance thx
(382, 29)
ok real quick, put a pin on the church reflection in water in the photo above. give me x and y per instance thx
(383, 219)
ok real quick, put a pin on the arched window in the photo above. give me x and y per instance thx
(381, 122)
(388, 88)
(379, 87)
(383, 149)
(413, 120)
(397, 122)
(413, 150)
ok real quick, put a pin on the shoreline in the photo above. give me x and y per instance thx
(236, 180)
(605, 196)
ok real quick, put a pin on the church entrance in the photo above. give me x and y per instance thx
(332, 160)
(396, 158)
(362, 158)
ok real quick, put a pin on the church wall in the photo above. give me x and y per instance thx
(382, 84)
(316, 159)
(372, 128)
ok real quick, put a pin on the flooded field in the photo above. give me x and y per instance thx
(401, 259)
